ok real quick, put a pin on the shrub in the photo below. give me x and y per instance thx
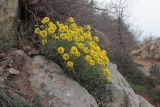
(155, 74)
(73, 46)
(156, 95)
(77, 51)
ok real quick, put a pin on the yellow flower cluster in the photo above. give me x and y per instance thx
(74, 51)
(80, 43)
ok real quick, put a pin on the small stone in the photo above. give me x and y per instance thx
(27, 49)
(2, 55)
(33, 52)
(13, 71)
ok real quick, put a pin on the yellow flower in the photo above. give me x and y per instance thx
(71, 19)
(66, 56)
(92, 62)
(60, 50)
(45, 20)
(86, 50)
(102, 56)
(80, 30)
(56, 37)
(88, 27)
(80, 45)
(88, 36)
(99, 61)
(58, 23)
(43, 33)
(106, 59)
(104, 52)
(62, 28)
(69, 38)
(73, 26)
(96, 38)
(51, 30)
(78, 54)
(106, 72)
(74, 33)
(74, 47)
(74, 50)
(70, 64)
(63, 36)
(37, 31)
(91, 45)
(44, 41)
(51, 24)
(96, 57)
(108, 78)
(82, 38)
(92, 52)
(97, 48)
(66, 27)
(88, 58)
(77, 39)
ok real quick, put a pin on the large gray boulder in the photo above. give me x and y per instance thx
(49, 80)
(39, 77)
(121, 94)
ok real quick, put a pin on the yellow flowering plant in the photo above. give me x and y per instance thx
(74, 47)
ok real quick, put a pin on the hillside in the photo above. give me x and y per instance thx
(147, 56)
(53, 56)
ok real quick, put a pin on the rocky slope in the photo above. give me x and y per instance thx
(148, 51)
(36, 76)
(40, 77)
(147, 55)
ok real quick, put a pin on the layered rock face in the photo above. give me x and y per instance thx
(40, 77)
(8, 8)
(148, 51)
(148, 55)
(8, 14)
